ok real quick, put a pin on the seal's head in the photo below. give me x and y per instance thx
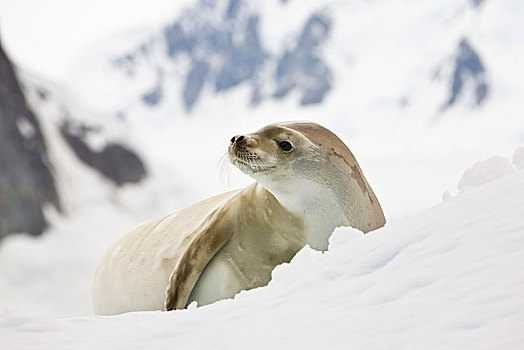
(271, 152)
(307, 168)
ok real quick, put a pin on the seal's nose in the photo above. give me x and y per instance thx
(237, 139)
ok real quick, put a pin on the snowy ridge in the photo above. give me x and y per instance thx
(448, 277)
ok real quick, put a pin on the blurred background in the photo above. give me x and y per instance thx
(116, 112)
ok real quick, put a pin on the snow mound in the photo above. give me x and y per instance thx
(518, 158)
(484, 171)
(448, 277)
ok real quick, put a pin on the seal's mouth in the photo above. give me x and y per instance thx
(249, 164)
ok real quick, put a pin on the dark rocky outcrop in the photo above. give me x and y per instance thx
(302, 68)
(468, 68)
(221, 42)
(477, 3)
(26, 180)
(114, 161)
(154, 96)
(26, 173)
(233, 41)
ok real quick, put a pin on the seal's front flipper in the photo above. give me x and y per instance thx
(214, 233)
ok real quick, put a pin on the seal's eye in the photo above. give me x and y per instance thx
(285, 146)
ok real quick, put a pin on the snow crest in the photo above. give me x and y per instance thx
(484, 171)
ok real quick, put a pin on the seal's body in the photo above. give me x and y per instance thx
(308, 183)
(218, 248)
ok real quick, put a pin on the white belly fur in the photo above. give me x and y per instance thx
(219, 280)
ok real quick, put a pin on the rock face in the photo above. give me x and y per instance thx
(302, 68)
(114, 161)
(26, 172)
(26, 180)
(468, 70)
(233, 42)
(221, 42)
(477, 3)
(223, 50)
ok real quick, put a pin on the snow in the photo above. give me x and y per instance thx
(448, 277)
(518, 158)
(485, 171)
(445, 277)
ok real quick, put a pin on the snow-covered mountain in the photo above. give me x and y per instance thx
(221, 44)
(419, 91)
(296, 50)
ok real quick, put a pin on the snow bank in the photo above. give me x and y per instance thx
(484, 171)
(448, 277)
(518, 158)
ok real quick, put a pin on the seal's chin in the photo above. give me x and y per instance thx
(251, 166)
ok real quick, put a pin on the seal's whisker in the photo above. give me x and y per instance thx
(221, 156)
(224, 168)
(253, 163)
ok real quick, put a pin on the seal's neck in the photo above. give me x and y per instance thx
(315, 204)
